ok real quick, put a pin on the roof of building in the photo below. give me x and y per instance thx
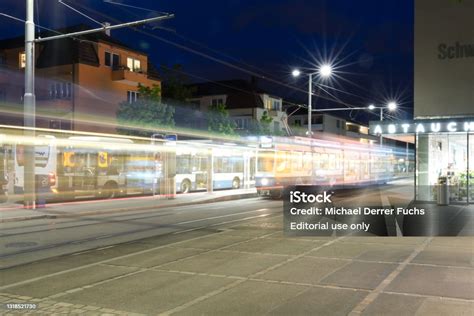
(240, 93)
(224, 87)
(79, 49)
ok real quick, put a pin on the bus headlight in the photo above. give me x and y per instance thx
(264, 181)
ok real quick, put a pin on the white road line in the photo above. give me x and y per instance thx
(221, 216)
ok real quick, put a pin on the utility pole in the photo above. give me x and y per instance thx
(29, 104)
(381, 119)
(310, 104)
(29, 100)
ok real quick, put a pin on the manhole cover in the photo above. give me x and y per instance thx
(21, 244)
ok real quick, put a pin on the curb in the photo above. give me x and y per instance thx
(58, 214)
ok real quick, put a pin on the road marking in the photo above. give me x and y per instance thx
(220, 216)
(221, 223)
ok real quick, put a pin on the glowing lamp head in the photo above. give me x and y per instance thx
(392, 106)
(264, 181)
(325, 71)
(371, 107)
(296, 73)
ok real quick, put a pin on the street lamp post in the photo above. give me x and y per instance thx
(324, 71)
(391, 106)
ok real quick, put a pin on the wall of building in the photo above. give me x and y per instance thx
(97, 96)
(444, 58)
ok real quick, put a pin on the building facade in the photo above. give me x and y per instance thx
(443, 125)
(245, 103)
(80, 82)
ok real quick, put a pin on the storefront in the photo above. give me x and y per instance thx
(444, 154)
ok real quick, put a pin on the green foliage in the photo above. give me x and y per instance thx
(265, 123)
(144, 116)
(219, 121)
(174, 84)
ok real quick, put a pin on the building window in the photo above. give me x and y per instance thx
(338, 123)
(276, 105)
(22, 60)
(112, 60)
(215, 102)
(60, 90)
(133, 64)
(242, 123)
(297, 122)
(132, 96)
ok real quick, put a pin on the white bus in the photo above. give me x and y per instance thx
(45, 162)
(193, 162)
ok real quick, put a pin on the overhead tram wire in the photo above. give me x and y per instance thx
(218, 83)
(225, 63)
(349, 106)
(183, 37)
(79, 12)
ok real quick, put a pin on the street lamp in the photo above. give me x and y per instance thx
(324, 71)
(391, 106)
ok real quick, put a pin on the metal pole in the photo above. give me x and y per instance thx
(105, 28)
(29, 110)
(381, 119)
(310, 99)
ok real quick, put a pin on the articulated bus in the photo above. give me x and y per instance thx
(107, 167)
(289, 161)
(89, 166)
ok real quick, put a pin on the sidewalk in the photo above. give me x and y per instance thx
(14, 212)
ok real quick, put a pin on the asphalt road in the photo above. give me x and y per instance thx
(28, 241)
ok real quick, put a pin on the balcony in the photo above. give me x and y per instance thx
(126, 76)
(273, 113)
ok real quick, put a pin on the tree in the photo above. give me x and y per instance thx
(265, 123)
(219, 121)
(147, 113)
(174, 84)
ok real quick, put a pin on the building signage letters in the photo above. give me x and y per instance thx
(423, 126)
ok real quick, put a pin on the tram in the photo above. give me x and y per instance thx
(297, 160)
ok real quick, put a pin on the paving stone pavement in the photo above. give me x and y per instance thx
(253, 269)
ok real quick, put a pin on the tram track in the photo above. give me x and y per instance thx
(182, 226)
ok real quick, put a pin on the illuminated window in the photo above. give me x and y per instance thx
(133, 64)
(22, 60)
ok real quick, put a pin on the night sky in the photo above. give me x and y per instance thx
(370, 42)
